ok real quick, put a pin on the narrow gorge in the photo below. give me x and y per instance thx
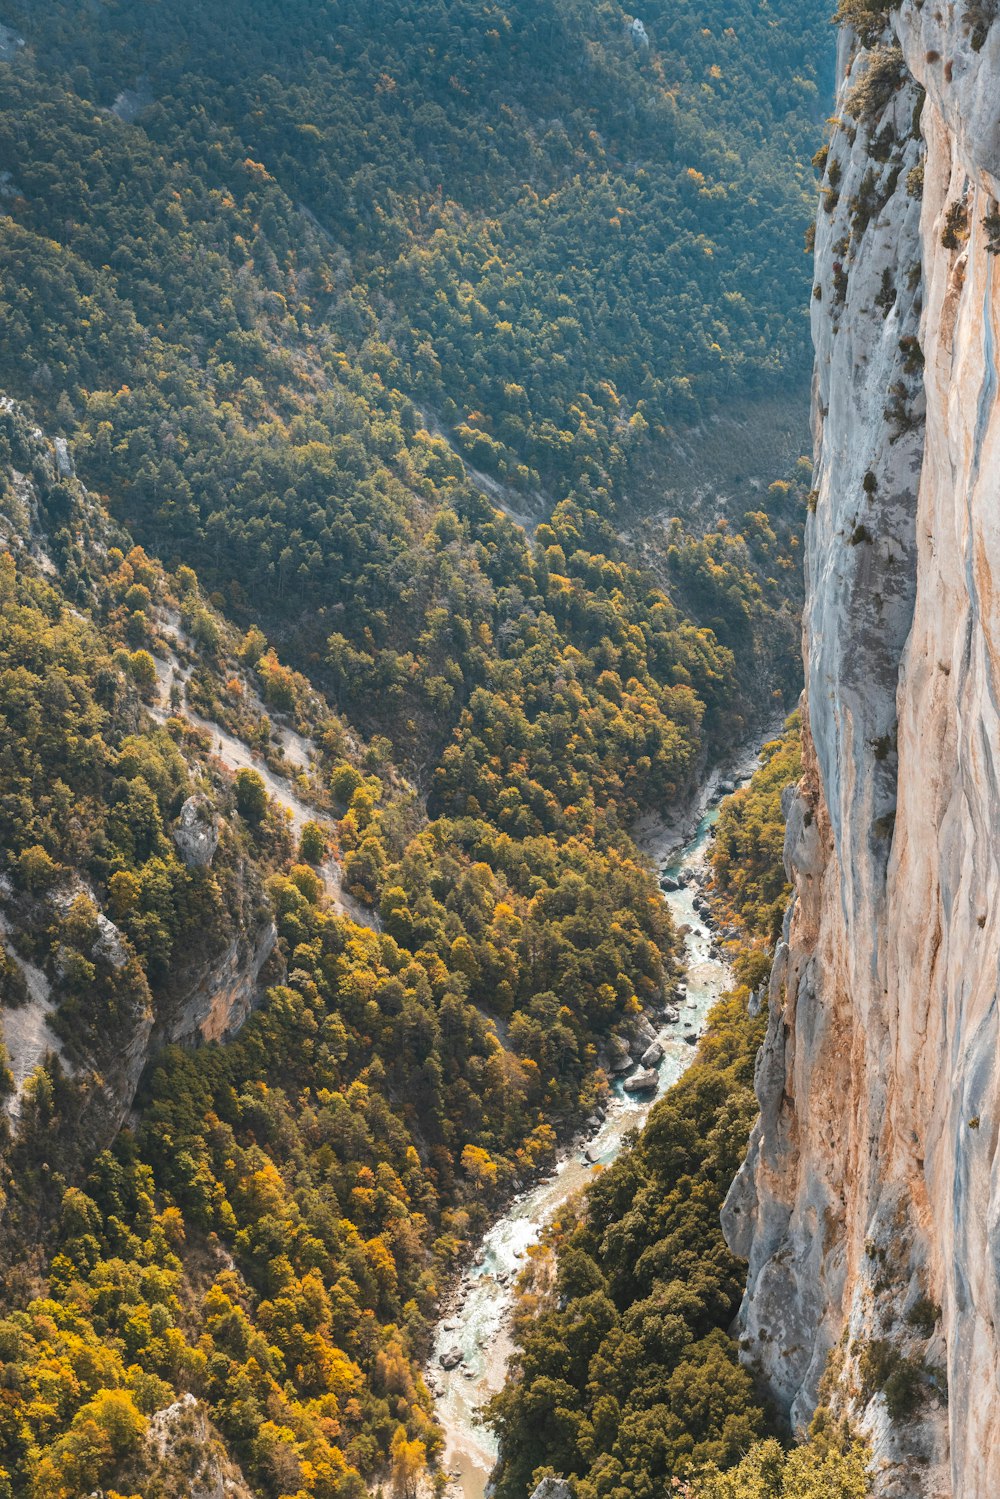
(869, 1204)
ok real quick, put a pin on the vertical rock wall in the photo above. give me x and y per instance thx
(871, 1193)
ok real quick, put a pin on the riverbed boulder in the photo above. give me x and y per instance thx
(653, 1055)
(643, 1082)
(619, 1056)
(641, 1034)
(669, 883)
(451, 1358)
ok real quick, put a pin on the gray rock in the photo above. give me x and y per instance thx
(183, 1429)
(196, 832)
(639, 37)
(10, 44)
(619, 1056)
(64, 463)
(452, 1358)
(643, 1082)
(553, 1488)
(643, 1033)
(653, 1055)
(110, 944)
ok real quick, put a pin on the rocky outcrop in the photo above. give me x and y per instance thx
(196, 832)
(869, 1205)
(553, 1488)
(217, 998)
(184, 1454)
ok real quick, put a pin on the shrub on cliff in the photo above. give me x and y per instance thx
(869, 18)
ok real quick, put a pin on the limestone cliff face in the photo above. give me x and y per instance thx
(871, 1193)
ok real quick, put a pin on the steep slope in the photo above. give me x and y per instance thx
(180, 816)
(869, 1205)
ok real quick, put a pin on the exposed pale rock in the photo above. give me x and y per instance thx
(553, 1488)
(109, 943)
(638, 35)
(196, 832)
(643, 1082)
(864, 1185)
(64, 463)
(619, 1055)
(182, 1444)
(10, 44)
(653, 1055)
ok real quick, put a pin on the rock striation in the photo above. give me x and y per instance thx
(869, 1204)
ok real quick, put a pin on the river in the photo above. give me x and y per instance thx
(478, 1322)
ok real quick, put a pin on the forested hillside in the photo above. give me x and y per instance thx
(318, 903)
(322, 235)
(625, 1379)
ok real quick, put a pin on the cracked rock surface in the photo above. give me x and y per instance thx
(871, 1190)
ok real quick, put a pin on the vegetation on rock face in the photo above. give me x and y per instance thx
(830, 1465)
(749, 885)
(869, 18)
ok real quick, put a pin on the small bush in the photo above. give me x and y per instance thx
(956, 225)
(924, 1315)
(886, 1371)
(877, 84)
(980, 15)
(251, 795)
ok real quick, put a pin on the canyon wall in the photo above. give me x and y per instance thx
(869, 1204)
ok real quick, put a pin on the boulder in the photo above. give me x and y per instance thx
(669, 883)
(643, 1032)
(196, 832)
(451, 1358)
(553, 1488)
(643, 1082)
(653, 1055)
(619, 1056)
